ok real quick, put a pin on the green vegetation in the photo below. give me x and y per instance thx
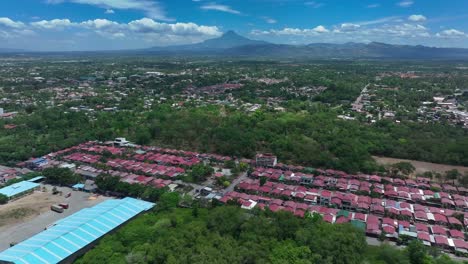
(60, 176)
(199, 173)
(231, 235)
(158, 110)
(108, 183)
(311, 135)
(3, 199)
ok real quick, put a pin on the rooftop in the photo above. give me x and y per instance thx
(17, 188)
(71, 234)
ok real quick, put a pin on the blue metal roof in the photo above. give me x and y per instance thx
(36, 178)
(78, 186)
(18, 188)
(72, 233)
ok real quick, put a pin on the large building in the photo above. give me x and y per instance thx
(72, 236)
(19, 189)
(265, 160)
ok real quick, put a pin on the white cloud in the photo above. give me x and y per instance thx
(406, 3)
(417, 18)
(109, 11)
(221, 8)
(314, 4)
(451, 33)
(378, 21)
(147, 25)
(7, 22)
(395, 32)
(320, 29)
(292, 32)
(53, 24)
(151, 8)
(348, 27)
(269, 20)
(100, 23)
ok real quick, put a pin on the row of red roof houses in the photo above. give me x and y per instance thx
(167, 159)
(146, 168)
(129, 177)
(95, 147)
(353, 202)
(435, 235)
(83, 158)
(407, 192)
(129, 165)
(422, 183)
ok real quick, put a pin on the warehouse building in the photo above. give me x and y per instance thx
(72, 236)
(19, 189)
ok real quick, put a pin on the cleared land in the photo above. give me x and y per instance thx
(25, 217)
(422, 166)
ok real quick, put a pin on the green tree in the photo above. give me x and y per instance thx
(417, 253)
(60, 176)
(168, 201)
(200, 172)
(452, 175)
(3, 199)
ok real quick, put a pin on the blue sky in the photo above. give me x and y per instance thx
(127, 24)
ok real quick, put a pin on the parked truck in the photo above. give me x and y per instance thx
(64, 205)
(56, 208)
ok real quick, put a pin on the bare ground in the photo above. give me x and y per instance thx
(421, 166)
(29, 215)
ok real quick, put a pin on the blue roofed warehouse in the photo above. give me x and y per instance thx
(72, 236)
(19, 189)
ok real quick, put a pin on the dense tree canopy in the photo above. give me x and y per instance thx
(231, 235)
(60, 176)
(309, 135)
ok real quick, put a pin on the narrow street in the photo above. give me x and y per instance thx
(235, 182)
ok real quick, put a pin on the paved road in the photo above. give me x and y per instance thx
(359, 98)
(234, 183)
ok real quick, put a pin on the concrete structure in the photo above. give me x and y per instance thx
(265, 160)
(19, 189)
(72, 236)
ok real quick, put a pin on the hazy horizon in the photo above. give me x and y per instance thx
(93, 25)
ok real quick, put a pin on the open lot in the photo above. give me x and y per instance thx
(421, 166)
(22, 218)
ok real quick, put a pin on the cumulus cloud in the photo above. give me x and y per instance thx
(53, 24)
(395, 32)
(109, 11)
(292, 31)
(417, 18)
(348, 27)
(320, 29)
(221, 8)
(7, 22)
(147, 25)
(144, 25)
(451, 33)
(151, 8)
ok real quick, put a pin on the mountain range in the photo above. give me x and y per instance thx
(232, 44)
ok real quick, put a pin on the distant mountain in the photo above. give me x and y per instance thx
(372, 50)
(228, 40)
(232, 44)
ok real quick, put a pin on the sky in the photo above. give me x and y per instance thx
(73, 25)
